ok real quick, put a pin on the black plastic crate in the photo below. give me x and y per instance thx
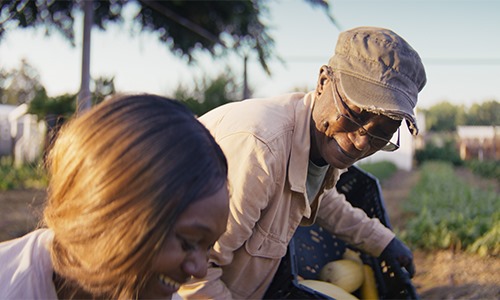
(312, 247)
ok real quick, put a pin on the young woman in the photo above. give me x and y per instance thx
(137, 197)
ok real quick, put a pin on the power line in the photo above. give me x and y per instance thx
(427, 61)
(462, 61)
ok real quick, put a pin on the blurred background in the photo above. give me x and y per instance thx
(58, 58)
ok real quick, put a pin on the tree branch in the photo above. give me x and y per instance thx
(184, 22)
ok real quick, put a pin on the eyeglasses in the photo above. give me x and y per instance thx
(350, 125)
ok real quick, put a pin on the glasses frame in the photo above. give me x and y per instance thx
(389, 146)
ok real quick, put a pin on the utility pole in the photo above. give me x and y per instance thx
(84, 98)
(246, 89)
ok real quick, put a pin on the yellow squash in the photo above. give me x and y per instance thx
(328, 289)
(369, 287)
(352, 255)
(344, 273)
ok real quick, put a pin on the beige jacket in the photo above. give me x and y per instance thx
(267, 143)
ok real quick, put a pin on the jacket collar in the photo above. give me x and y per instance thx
(301, 144)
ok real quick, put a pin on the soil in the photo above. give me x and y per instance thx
(443, 274)
(20, 212)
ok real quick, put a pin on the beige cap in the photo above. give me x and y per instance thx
(379, 72)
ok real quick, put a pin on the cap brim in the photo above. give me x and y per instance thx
(378, 99)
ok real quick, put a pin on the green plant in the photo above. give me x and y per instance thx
(448, 213)
(22, 177)
(447, 152)
(208, 93)
(487, 168)
(381, 170)
(61, 106)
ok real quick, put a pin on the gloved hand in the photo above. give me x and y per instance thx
(397, 255)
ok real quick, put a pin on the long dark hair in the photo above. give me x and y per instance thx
(121, 174)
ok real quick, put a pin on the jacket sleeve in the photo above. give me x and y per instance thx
(251, 181)
(352, 225)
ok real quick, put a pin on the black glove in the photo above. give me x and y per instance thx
(398, 255)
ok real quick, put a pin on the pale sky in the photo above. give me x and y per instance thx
(458, 41)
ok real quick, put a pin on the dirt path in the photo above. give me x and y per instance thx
(395, 190)
(20, 211)
(445, 274)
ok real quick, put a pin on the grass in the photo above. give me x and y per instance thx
(382, 169)
(21, 177)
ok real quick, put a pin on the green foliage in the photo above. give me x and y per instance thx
(23, 177)
(64, 106)
(20, 85)
(55, 15)
(448, 213)
(101, 88)
(487, 113)
(61, 106)
(488, 242)
(208, 25)
(486, 168)
(183, 26)
(208, 93)
(381, 170)
(442, 117)
(445, 117)
(447, 152)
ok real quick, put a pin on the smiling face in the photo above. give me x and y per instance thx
(185, 250)
(335, 143)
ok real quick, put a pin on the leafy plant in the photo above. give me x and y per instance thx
(208, 93)
(381, 170)
(447, 153)
(486, 113)
(448, 213)
(487, 168)
(185, 27)
(20, 85)
(445, 117)
(61, 106)
(23, 177)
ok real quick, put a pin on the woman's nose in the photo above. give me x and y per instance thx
(196, 264)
